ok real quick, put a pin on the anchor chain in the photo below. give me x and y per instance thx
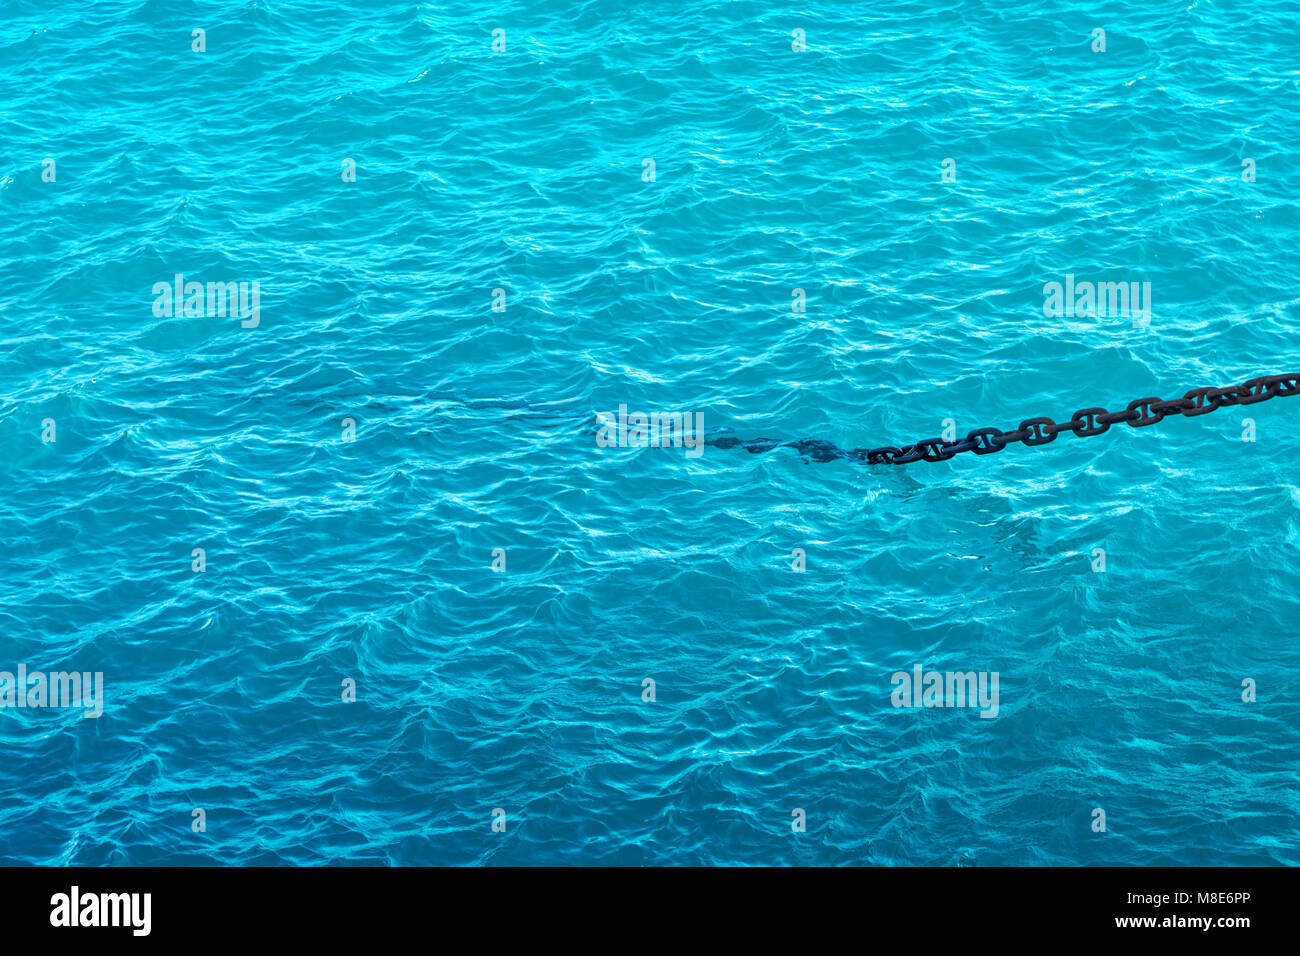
(1040, 431)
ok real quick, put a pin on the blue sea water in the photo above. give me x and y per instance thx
(521, 689)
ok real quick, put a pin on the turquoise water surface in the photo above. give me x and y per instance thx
(393, 474)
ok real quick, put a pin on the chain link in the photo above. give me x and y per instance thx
(1040, 431)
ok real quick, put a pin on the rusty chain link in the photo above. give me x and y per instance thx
(1038, 431)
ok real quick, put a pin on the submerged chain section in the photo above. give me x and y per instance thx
(1036, 431)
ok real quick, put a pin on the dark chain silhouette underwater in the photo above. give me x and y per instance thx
(1032, 431)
